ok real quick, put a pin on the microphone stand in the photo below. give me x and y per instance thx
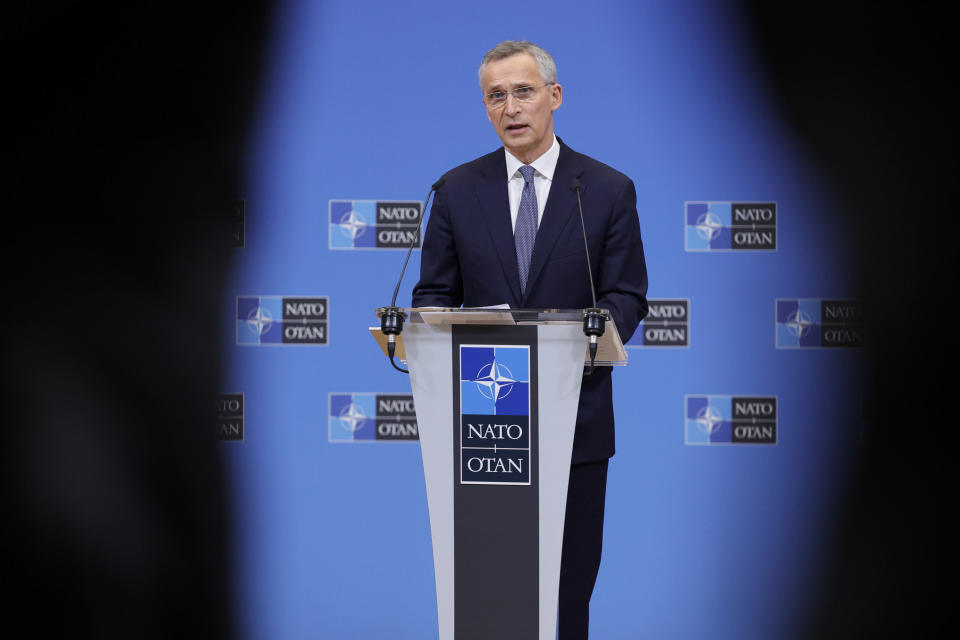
(391, 318)
(594, 319)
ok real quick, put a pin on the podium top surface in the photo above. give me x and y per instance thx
(492, 315)
(610, 352)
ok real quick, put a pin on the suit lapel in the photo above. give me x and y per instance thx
(495, 207)
(561, 206)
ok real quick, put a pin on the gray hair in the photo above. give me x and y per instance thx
(507, 48)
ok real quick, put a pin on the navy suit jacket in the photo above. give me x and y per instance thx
(469, 258)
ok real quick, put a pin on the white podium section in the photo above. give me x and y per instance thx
(429, 356)
(430, 360)
(561, 372)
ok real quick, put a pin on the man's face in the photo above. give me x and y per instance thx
(525, 128)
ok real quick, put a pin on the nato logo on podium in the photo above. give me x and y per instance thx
(495, 414)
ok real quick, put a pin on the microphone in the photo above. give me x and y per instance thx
(594, 319)
(391, 318)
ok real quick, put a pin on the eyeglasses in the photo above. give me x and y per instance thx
(497, 99)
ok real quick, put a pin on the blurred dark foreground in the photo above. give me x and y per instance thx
(123, 150)
(867, 87)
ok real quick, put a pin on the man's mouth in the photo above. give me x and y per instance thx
(516, 127)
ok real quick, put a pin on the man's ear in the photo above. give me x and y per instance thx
(556, 96)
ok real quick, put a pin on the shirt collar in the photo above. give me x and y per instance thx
(544, 165)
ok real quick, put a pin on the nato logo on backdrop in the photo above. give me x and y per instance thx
(230, 416)
(371, 417)
(374, 224)
(716, 419)
(814, 323)
(667, 325)
(282, 320)
(730, 226)
(495, 414)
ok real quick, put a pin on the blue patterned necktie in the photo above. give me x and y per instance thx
(525, 231)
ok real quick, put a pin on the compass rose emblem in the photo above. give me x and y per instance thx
(709, 226)
(709, 420)
(259, 320)
(494, 381)
(798, 323)
(352, 224)
(353, 417)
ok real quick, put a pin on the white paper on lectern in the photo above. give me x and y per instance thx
(465, 317)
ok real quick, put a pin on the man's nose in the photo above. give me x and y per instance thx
(512, 105)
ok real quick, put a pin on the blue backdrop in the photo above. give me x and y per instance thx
(374, 101)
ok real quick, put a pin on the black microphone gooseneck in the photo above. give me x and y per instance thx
(594, 320)
(391, 318)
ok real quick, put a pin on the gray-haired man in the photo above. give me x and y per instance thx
(477, 252)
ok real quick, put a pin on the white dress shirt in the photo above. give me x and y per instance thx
(544, 167)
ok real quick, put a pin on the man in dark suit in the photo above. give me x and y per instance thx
(505, 228)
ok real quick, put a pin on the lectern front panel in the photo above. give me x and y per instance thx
(496, 490)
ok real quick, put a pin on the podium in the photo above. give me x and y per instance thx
(496, 394)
